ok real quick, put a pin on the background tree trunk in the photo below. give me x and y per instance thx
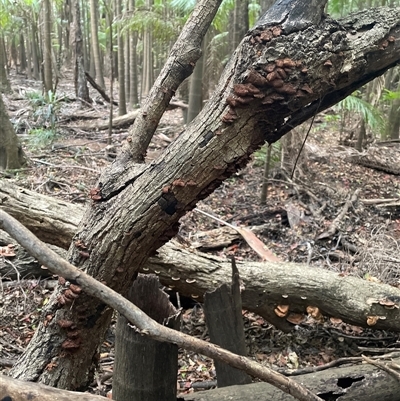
(148, 61)
(196, 90)
(94, 23)
(81, 88)
(11, 154)
(121, 62)
(240, 22)
(47, 48)
(4, 82)
(134, 90)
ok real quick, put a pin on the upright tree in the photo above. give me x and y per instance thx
(4, 82)
(133, 70)
(94, 27)
(47, 49)
(121, 60)
(81, 87)
(240, 21)
(11, 154)
(148, 62)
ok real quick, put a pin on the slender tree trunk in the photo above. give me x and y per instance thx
(121, 62)
(81, 87)
(148, 61)
(68, 17)
(196, 90)
(22, 52)
(14, 53)
(240, 22)
(127, 57)
(85, 36)
(11, 154)
(94, 26)
(47, 48)
(4, 82)
(35, 51)
(134, 90)
(29, 58)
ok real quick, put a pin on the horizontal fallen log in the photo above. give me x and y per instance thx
(124, 121)
(118, 122)
(349, 383)
(346, 383)
(18, 390)
(266, 285)
(380, 158)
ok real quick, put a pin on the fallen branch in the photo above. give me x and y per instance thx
(99, 89)
(143, 323)
(18, 390)
(382, 366)
(378, 201)
(118, 122)
(335, 223)
(348, 383)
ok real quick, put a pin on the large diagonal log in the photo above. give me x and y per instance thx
(280, 75)
(266, 285)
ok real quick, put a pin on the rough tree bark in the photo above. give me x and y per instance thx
(280, 75)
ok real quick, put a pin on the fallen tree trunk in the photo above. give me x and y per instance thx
(347, 383)
(118, 122)
(381, 158)
(124, 121)
(362, 382)
(266, 284)
(18, 390)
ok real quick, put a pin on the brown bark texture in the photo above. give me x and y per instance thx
(278, 77)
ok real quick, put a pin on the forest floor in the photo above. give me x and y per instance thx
(293, 224)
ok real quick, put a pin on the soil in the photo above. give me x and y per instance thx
(293, 223)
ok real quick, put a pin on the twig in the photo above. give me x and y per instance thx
(336, 362)
(335, 223)
(382, 366)
(378, 201)
(64, 166)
